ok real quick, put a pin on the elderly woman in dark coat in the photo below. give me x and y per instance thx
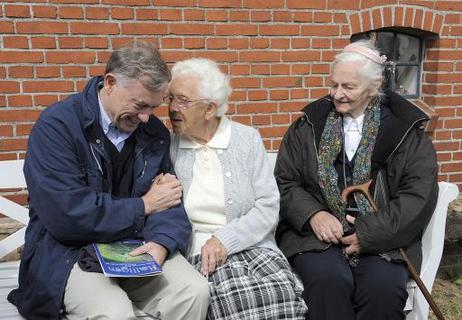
(346, 255)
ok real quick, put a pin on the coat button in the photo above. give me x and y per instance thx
(161, 141)
(98, 141)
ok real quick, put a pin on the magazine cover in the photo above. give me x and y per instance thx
(116, 261)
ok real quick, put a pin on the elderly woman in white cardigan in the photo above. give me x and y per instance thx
(232, 199)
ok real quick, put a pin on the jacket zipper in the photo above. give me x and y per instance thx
(404, 136)
(96, 159)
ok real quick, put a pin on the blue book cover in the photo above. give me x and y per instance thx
(116, 261)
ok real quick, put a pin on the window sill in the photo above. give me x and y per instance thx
(429, 111)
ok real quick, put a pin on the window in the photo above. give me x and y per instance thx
(404, 52)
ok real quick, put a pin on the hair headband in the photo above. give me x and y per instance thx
(366, 52)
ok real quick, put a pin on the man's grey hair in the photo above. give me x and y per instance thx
(139, 60)
(370, 70)
(213, 84)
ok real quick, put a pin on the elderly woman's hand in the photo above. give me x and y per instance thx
(214, 254)
(351, 241)
(326, 227)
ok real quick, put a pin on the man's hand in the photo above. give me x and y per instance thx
(351, 241)
(214, 254)
(326, 227)
(157, 251)
(165, 192)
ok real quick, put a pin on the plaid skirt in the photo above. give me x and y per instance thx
(252, 285)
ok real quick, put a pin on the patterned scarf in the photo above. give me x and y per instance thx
(329, 148)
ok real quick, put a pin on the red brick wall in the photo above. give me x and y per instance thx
(278, 52)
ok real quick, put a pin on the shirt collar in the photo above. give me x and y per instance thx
(104, 121)
(111, 131)
(220, 139)
(350, 123)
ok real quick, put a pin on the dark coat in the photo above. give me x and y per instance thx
(67, 172)
(403, 169)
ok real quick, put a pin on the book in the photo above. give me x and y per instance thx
(116, 261)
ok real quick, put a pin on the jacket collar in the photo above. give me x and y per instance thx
(397, 117)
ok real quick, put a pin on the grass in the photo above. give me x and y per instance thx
(448, 297)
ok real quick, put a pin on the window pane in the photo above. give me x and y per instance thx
(386, 44)
(406, 80)
(408, 48)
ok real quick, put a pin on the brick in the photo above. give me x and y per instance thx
(184, 29)
(177, 3)
(96, 42)
(43, 42)
(20, 72)
(94, 28)
(437, 23)
(261, 120)
(144, 28)
(194, 15)
(366, 21)
(19, 115)
(240, 69)
(320, 31)
(443, 135)
(170, 14)
(263, 4)
(301, 68)
(239, 15)
(45, 100)
(147, 14)
(127, 2)
(6, 131)
(282, 82)
(260, 16)
(280, 69)
(298, 94)
(399, 16)
(70, 57)
(95, 13)
(2, 72)
(20, 56)
(23, 129)
(13, 144)
(256, 107)
(259, 56)
(408, 17)
(280, 43)
(260, 69)
(217, 15)
(122, 13)
(70, 13)
(280, 118)
(387, 17)
(20, 101)
(172, 43)
(443, 157)
(279, 30)
(374, 3)
(42, 27)
(303, 4)
(48, 86)
(70, 42)
(343, 5)
(259, 43)
(102, 56)
(320, 17)
(428, 21)
(176, 55)
(242, 119)
(74, 1)
(17, 42)
(301, 55)
(448, 5)
(96, 71)
(418, 19)
(17, 11)
(279, 94)
(377, 19)
(217, 43)
(300, 43)
(453, 123)
(44, 11)
(2, 101)
(255, 95)
(194, 43)
(282, 16)
(236, 29)
(238, 43)
(246, 82)
(453, 18)
(451, 167)
(220, 56)
(238, 95)
(318, 43)
(219, 3)
(48, 72)
(273, 131)
(6, 27)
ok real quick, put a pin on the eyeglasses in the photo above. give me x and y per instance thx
(180, 101)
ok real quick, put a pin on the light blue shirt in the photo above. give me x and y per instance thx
(114, 135)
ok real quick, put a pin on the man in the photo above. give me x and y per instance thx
(351, 267)
(98, 170)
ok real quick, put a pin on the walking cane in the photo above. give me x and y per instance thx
(364, 189)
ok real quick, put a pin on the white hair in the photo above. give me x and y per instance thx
(213, 84)
(369, 70)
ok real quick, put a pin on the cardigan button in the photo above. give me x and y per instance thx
(228, 174)
(220, 151)
(230, 201)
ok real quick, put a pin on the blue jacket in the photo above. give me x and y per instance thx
(70, 201)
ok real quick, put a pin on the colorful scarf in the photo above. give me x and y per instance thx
(329, 148)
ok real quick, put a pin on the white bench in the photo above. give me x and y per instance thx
(11, 177)
(432, 249)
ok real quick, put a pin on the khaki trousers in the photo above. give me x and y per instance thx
(180, 292)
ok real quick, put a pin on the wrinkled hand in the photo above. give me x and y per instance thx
(165, 192)
(326, 227)
(155, 250)
(351, 241)
(214, 254)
